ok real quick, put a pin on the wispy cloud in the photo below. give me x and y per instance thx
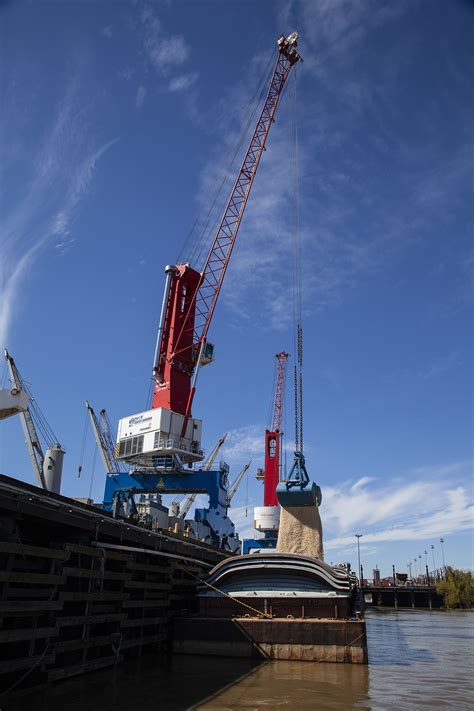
(356, 221)
(432, 369)
(423, 503)
(57, 177)
(161, 54)
(108, 31)
(140, 97)
(243, 443)
(417, 505)
(441, 365)
(242, 517)
(165, 52)
(183, 82)
(410, 506)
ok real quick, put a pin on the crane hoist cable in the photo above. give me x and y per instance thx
(197, 245)
(271, 400)
(48, 437)
(91, 484)
(297, 489)
(297, 281)
(85, 432)
(227, 174)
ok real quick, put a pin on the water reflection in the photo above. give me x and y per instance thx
(295, 685)
(417, 659)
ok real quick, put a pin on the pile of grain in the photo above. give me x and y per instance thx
(301, 531)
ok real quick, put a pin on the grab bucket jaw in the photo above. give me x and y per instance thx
(297, 496)
(298, 490)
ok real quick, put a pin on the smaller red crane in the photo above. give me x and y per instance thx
(273, 435)
(267, 517)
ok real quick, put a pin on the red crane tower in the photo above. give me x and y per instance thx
(267, 517)
(274, 435)
(188, 305)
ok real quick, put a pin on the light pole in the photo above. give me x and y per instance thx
(359, 536)
(416, 570)
(409, 568)
(426, 568)
(421, 570)
(434, 564)
(441, 540)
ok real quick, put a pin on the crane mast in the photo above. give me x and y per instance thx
(168, 434)
(233, 489)
(273, 436)
(31, 436)
(47, 466)
(191, 498)
(101, 429)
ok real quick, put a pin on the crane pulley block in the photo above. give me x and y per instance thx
(12, 402)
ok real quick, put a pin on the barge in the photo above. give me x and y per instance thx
(276, 606)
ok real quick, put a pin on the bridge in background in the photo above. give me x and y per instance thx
(395, 596)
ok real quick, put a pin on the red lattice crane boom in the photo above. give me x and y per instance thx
(167, 436)
(191, 296)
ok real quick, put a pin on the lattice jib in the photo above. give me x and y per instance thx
(212, 275)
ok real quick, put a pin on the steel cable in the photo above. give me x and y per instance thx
(296, 247)
(201, 240)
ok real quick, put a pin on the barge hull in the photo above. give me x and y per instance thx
(312, 640)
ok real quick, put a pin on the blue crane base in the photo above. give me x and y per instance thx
(121, 488)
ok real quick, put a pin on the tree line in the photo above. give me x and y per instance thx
(457, 589)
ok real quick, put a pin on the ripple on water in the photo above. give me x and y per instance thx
(417, 659)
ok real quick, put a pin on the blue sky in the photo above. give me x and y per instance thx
(118, 119)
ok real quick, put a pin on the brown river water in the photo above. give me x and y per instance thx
(417, 660)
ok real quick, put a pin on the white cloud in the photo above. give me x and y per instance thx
(351, 227)
(9, 289)
(334, 27)
(183, 82)
(56, 179)
(108, 31)
(243, 443)
(242, 517)
(164, 52)
(140, 98)
(418, 505)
